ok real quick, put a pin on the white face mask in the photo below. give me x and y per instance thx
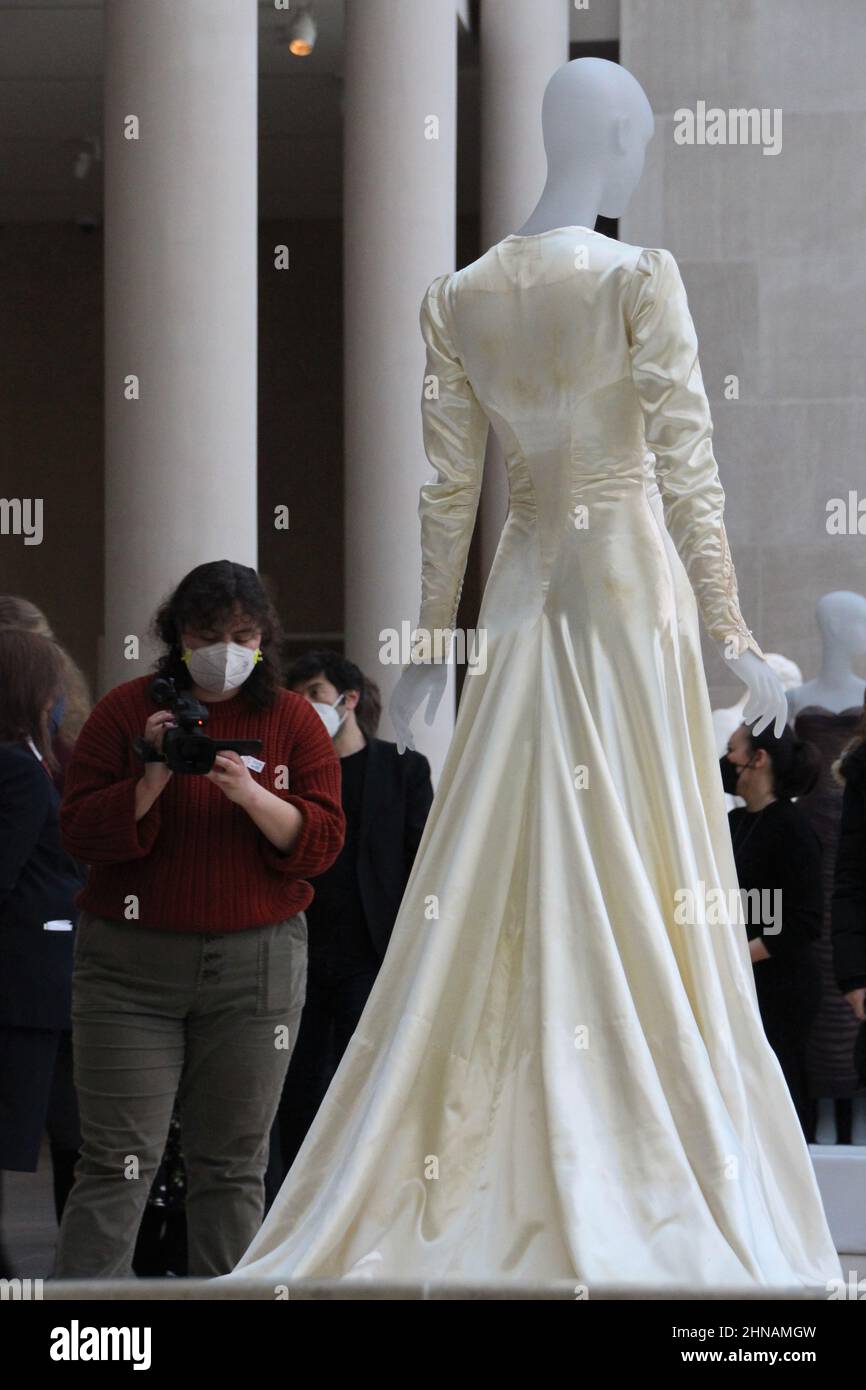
(222, 665)
(328, 714)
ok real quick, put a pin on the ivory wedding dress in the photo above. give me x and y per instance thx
(554, 1077)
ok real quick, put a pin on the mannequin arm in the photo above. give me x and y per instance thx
(679, 430)
(455, 437)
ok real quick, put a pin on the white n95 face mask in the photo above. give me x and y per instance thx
(221, 666)
(328, 714)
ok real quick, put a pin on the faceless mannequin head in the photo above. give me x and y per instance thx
(596, 122)
(841, 618)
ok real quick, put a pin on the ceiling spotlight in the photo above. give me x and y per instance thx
(302, 34)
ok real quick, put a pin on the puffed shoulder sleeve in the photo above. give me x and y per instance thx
(679, 431)
(455, 437)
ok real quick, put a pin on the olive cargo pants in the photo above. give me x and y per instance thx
(209, 1018)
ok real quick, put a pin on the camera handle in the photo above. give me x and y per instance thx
(146, 751)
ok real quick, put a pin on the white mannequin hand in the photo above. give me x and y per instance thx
(767, 701)
(416, 684)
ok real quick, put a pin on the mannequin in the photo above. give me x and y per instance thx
(596, 123)
(546, 1080)
(827, 709)
(841, 619)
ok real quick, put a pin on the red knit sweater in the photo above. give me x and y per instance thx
(196, 861)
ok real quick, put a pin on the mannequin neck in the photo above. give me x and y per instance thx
(836, 663)
(565, 202)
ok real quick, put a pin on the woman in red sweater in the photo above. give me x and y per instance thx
(191, 951)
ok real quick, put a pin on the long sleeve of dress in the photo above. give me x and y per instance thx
(455, 437)
(679, 431)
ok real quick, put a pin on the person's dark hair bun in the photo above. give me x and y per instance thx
(796, 761)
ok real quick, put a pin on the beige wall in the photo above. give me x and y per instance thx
(773, 254)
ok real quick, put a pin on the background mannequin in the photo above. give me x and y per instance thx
(827, 710)
(596, 124)
(841, 619)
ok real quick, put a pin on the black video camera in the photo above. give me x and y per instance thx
(187, 748)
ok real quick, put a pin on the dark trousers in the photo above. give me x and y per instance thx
(788, 1009)
(37, 1096)
(62, 1125)
(334, 1004)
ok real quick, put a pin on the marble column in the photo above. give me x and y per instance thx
(399, 233)
(180, 304)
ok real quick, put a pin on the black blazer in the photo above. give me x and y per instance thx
(396, 799)
(849, 884)
(38, 881)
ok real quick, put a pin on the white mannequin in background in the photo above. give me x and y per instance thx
(596, 123)
(841, 619)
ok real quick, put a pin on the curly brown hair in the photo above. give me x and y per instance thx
(209, 595)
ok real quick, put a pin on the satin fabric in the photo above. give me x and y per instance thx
(552, 1077)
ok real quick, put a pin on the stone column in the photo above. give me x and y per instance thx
(399, 227)
(180, 303)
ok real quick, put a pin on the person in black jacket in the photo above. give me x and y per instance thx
(777, 852)
(848, 907)
(386, 798)
(38, 881)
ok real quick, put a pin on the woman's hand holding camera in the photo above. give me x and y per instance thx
(279, 821)
(155, 776)
(229, 772)
(232, 776)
